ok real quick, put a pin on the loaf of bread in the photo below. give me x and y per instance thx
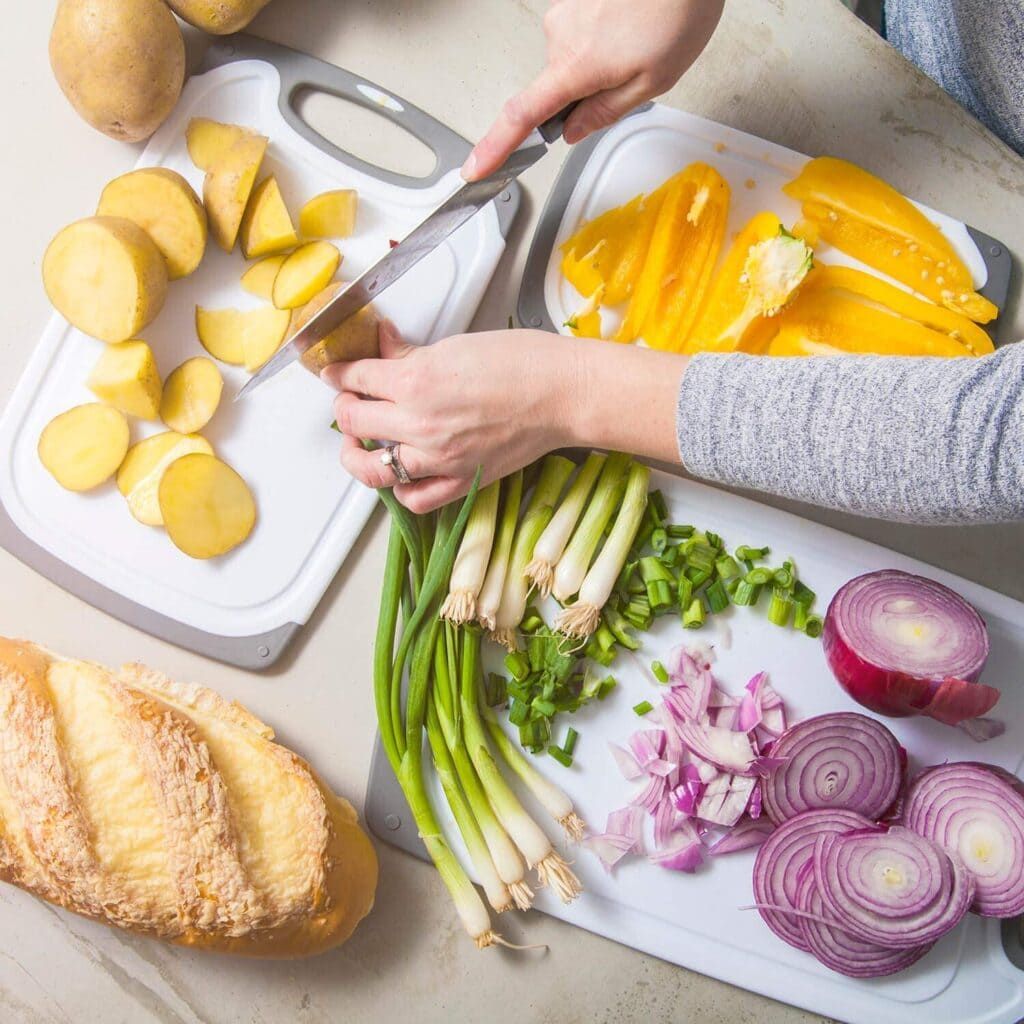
(167, 810)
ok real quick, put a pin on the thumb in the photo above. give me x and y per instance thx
(392, 344)
(603, 109)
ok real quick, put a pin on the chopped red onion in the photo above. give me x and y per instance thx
(626, 763)
(982, 729)
(727, 750)
(685, 851)
(745, 836)
(725, 799)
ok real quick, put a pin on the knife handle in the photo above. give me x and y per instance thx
(551, 130)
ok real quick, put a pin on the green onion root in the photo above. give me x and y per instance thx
(471, 562)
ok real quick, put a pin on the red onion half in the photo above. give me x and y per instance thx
(891, 887)
(905, 645)
(844, 760)
(780, 860)
(977, 813)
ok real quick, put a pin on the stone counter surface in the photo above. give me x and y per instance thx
(803, 73)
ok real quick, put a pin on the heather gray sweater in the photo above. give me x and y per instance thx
(922, 440)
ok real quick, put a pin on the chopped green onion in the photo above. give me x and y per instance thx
(700, 556)
(545, 708)
(670, 556)
(643, 707)
(693, 617)
(519, 712)
(779, 609)
(660, 672)
(684, 592)
(658, 506)
(518, 664)
(560, 756)
(748, 554)
(746, 594)
(532, 621)
(803, 594)
(570, 741)
(759, 576)
(659, 539)
(784, 578)
(799, 616)
(813, 627)
(495, 690)
(718, 599)
(726, 567)
(679, 531)
(714, 540)
(604, 637)
(698, 577)
(620, 628)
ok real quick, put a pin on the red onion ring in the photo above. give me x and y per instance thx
(976, 812)
(891, 887)
(905, 645)
(844, 761)
(780, 859)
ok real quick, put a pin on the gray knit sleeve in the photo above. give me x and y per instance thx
(923, 440)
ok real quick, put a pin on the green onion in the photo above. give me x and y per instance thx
(552, 542)
(684, 592)
(659, 540)
(570, 741)
(698, 577)
(495, 690)
(619, 628)
(726, 567)
(693, 617)
(643, 707)
(489, 598)
(658, 507)
(784, 578)
(748, 554)
(799, 616)
(518, 664)
(759, 576)
(660, 672)
(582, 618)
(678, 531)
(545, 708)
(471, 562)
(699, 556)
(746, 594)
(718, 599)
(779, 609)
(575, 561)
(803, 594)
(560, 756)
(814, 626)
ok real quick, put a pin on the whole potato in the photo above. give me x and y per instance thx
(217, 16)
(121, 63)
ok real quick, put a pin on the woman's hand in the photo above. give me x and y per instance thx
(611, 54)
(498, 400)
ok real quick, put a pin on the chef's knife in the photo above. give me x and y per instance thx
(469, 199)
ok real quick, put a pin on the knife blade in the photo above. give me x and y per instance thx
(467, 200)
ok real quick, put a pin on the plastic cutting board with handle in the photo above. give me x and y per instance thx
(244, 607)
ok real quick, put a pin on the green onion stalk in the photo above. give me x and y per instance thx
(552, 542)
(582, 618)
(471, 562)
(554, 472)
(489, 599)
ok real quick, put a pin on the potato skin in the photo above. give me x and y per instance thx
(217, 16)
(121, 63)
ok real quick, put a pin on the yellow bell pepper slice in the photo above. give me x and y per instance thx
(866, 287)
(867, 218)
(762, 270)
(591, 254)
(696, 247)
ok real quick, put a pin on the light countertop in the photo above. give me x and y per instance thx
(803, 73)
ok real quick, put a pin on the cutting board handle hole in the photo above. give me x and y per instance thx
(364, 133)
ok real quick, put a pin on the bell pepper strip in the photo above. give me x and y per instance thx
(589, 257)
(820, 320)
(697, 245)
(875, 291)
(762, 270)
(867, 218)
(586, 321)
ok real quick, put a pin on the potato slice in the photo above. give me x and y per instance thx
(330, 214)
(208, 140)
(259, 278)
(240, 336)
(165, 206)
(206, 506)
(84, 446)
(228, 185)
(139, 477)
(191, 395)
(356, 338)
(105, 276)
(126, 377)
(305, 272)
(266, 225)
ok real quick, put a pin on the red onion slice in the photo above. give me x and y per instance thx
(779, 861)
(891, 887)
(844, 760)
(976, 813)
(905, 645)
(839, 950)
(745, 836)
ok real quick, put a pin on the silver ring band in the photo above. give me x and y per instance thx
(389, 457)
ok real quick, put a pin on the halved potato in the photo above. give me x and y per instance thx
(259, 278)
(208, 140)
(84, 446)
(239, 336)
(191, 395)
(356, 338)
(139, 477)
(105, 276)
(228, 185)
(305, 272)
(206, 506)
(330, 214)
(165, 206)
(125, 376)
(266, 226)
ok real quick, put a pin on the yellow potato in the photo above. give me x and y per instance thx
(355, 338)
(191, 395)
(165, 206)
(105, 276)
(84, 446)
(259, 278)
(126, 377)
(139, 477)
(237, 336)
(304, 273)
(208, 140)
(266, 226)
(217, 16)
(330, 214)
(206, 506)
(121, 63)
(228, 184)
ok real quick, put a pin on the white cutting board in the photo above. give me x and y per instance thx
(309, 510)
(695, 920)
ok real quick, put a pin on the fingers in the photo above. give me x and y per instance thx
(376, 378)
(392, 344)
(605, 108)
(551, 90)
(369, 418)
(367, 468)
(425, 495)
